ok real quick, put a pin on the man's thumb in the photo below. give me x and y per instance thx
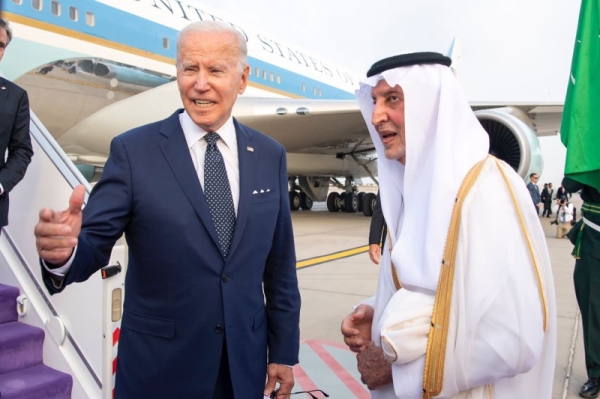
(76, 200)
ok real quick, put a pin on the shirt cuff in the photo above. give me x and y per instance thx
(64, 269)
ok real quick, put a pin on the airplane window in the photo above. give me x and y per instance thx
(271, 77)
(320, 93)
(73, 14)
(55, 8)
(314, 91)
(36, 4)
(90, 19)
(278, 79)
(265, 75)
(303, 87)
(18, 2)
(257, 72)
(165, 42)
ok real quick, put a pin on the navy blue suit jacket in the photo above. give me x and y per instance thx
(182, 299)
(14, 136)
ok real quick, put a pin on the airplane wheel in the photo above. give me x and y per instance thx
(368, 204)
(332, 200)
(360, 200)
(351, 202)
(294, 201)
(306, 202)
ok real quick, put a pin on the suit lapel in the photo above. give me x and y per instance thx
(247, 167)
(174, 148)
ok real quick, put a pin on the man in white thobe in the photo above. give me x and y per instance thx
(476, 319)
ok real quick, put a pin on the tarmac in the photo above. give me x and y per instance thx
(332, 286)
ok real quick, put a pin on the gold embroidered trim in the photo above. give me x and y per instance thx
(435, 356)
(529, 244)
(397, 283)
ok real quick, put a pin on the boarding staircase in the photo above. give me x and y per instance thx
(23, 375)
(53, 346)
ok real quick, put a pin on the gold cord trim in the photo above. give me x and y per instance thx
(435, 356)
(529, 244)
(397, 283)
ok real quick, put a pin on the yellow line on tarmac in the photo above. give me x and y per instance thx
(331, 257)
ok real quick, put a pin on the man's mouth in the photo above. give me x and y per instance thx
(387, 137)
(204, 103)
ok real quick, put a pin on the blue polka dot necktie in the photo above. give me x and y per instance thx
(218, 192)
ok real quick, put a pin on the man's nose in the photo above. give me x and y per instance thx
(202, 83)
(379, 116)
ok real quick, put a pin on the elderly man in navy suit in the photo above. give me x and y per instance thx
(14, 131)
(212, 302)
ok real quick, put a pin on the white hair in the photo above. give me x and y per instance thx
(4, 24)
(217, 27)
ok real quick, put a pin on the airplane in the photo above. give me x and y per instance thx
(115, 71)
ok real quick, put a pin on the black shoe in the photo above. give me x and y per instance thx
(591, 388)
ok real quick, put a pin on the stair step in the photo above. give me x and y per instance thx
(8, 303)
(35, 383)
(20, 347)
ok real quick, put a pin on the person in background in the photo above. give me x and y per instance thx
(534, 191)
(544, 198)
(549, 199)
(14, 131)
(564, 216)
(585, 235)
(377, 232)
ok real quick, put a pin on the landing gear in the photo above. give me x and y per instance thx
(306, 202)
(351, 202)
(361, 195)
(368, 204)
(294, 200)
(332, 202)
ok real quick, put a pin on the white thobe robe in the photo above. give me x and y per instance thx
(496, 344)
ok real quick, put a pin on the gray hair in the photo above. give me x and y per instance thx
(5, 25)
(217, 27)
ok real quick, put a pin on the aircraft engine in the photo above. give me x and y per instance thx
(513, 139)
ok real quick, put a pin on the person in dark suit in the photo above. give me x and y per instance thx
(544, 199)
(377, 232)
(212, 308)
(14, 131)
(534, 191)
(585, 235)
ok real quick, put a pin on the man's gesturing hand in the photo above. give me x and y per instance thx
(56, 233)
(356, 328)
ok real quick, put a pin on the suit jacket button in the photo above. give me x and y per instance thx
(225, 278)
(219, 329)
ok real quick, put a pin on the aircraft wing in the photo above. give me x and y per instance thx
(325, 127)
(302, 126)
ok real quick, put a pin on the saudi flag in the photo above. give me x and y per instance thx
(580, 128)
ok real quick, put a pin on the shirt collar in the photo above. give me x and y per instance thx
(193, 133)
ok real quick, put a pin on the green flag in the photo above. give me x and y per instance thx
(580, 128)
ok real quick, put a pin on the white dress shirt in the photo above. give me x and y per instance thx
(227, 145)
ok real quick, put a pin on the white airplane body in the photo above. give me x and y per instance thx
(119, 50)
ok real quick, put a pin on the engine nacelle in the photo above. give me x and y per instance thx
(513, 139)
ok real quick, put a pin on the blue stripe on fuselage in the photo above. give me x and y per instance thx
(123, 28)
